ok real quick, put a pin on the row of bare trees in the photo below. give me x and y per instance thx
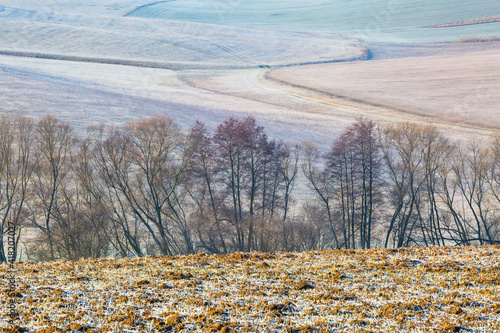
(150, 188)
(407, 185)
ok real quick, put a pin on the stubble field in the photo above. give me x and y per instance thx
(443, 289)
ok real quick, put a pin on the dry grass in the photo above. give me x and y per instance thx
(416, 290)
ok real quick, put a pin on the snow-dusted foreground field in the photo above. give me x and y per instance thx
(446, 289)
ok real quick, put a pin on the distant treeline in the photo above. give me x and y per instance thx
(482, 20)
(478, 39)
(150, 188)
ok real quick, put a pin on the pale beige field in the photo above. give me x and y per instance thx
(451, 88)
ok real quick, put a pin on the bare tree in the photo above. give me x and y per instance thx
(55, 141)
(18, 159)
(321, 182)
(404, 147)
(354, 165)
(472, 174)
(290, 170)
(91, 217)
(436, 151)
(454, 218)
(160, 156)
(291, 165)
(244, 181)
(113, 164)
(211, 227)
(240, 147)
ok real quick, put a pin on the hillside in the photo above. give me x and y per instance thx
(390, 21)
(445, 289)
(136, 58)
(181, 45)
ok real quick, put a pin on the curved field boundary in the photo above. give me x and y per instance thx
(146, 5)
(164, 65)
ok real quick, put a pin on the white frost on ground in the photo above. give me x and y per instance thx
(178, 43)
(88, 7)
(382, 20)
(84, 93)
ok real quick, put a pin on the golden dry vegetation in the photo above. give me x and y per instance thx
(439, 289)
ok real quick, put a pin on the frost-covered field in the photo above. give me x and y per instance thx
(83, 93)
(447, 289)
(115, 97)
(393, 20)
(208, 71)
(180, 44)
